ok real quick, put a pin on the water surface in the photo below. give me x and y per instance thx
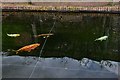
(74, 34)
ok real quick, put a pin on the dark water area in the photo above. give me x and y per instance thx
(74, 34)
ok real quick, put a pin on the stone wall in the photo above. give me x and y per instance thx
(71, 3)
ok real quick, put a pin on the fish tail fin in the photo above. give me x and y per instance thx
(7, 34)
(35, 36)
(95, 40)
(12, 50)
(17, 51)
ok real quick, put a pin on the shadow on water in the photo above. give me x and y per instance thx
(74, 34)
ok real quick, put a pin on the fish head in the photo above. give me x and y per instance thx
(106, 36)
(37, 44)
(17, 34)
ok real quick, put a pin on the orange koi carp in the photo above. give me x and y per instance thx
(28, 48)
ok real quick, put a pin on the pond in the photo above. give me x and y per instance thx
(73, 34)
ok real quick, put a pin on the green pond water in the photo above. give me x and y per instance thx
(74, 34)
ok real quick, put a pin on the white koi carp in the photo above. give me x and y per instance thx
(101, 38)
(13, 35)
